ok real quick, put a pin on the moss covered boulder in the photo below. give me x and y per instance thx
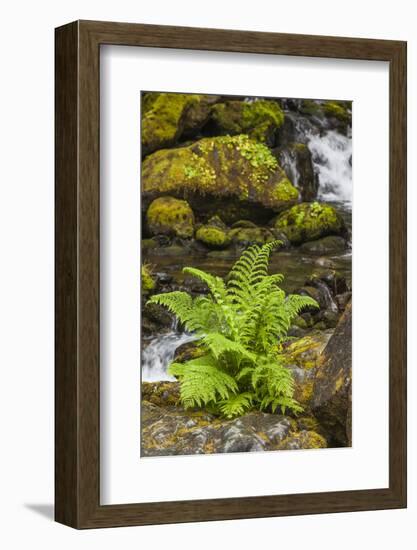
(168, 116)
(170, 216)
(235, 177)
(259, 119)
(310, 221)
(212, 236)
(251, 235)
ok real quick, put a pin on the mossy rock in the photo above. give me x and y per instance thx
(147, 280)
(170, 216)
(251, 235)
(310, 221)
(303, 440)
(213, 237)
(218, 171)
(166, 116)
(259, 119)
(302, 358)
(338, 110)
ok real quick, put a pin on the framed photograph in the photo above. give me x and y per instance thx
(230, 274)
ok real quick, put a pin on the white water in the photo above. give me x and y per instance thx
(331, 154)
(159, 353)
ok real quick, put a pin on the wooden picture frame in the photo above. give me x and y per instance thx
(77, 405)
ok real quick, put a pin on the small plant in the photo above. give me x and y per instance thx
(241, 326)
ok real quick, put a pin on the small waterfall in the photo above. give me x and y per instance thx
(159, 353)
(289, 165)
(332, 160)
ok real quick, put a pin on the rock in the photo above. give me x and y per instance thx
(296, 160)
(343, 300)
(149, 244)
(310, 221)
(156, 318)
(166, 116)
(331, 399)
(327, 245)
(147, 280)
(167, 429)
(213, 236)
(259, 119)
(186, 352)
(169, 216)
(302, 357)
(303, 440)
(328, 115)
(245, 236)
(161, 393)
(233, 177)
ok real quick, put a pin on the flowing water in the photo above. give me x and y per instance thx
(159, 353)
(332, 160)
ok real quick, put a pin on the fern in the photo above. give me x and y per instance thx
(240, 325)
(236, 405)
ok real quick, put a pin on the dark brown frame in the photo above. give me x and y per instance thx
(77, 373)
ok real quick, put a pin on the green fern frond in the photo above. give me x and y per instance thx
(218, 344)
(236, 405)
(202, 382)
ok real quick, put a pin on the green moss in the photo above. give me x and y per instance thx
(310, 221)
(162, 117)
(248, 235)
(337, 110)
(170, 216)
(225, 166)
(148, 282)
(310, 107)
(286, 192)
(212, 236)
(258, 118)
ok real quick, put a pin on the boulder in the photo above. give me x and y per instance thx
(296, 160)
(233, 177)
(214, 234)
(251, 235)
(331, 399)
(170, 216)
(310, 221)
(167, 116)
(259, 119)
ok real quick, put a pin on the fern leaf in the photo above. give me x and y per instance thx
(218, 344)
(202, 382)
(236, 405)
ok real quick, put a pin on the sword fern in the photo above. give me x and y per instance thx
(241, 325)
